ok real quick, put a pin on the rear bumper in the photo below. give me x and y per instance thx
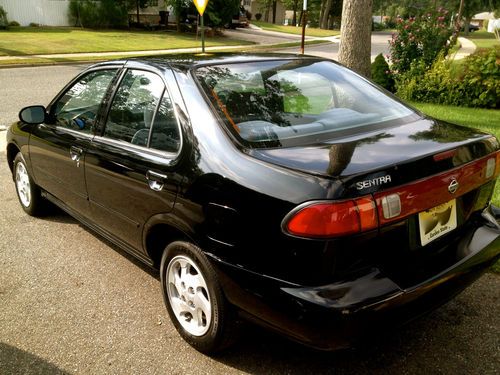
(333, 316)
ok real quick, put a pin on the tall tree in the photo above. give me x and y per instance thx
(355, 35)
(325, 14)
(458, 21)
(471, 7)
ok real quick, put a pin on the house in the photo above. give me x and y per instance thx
(259, 6)
(55, 12)
(151, 14)
(42, 12)
(480, 18)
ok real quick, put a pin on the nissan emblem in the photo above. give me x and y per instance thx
(453, 186)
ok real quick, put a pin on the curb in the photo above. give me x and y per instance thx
(51, 63)
(107, 56)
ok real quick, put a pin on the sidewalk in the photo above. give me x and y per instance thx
(466, 48)
(114, 54)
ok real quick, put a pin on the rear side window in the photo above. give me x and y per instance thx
(142, 113)
(296, 102)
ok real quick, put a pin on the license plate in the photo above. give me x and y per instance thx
(437, 221)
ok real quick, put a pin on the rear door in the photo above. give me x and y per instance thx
(130, 166)
(57, 147)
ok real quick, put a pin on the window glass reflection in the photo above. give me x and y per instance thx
(77, 109)
(133, 107)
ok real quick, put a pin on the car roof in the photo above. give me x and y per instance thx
(190, 61)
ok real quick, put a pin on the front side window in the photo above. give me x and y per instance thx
(77, 109)
(296, 102)
(142, 113)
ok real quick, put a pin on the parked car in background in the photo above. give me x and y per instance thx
(471, 27)
(284, 190)
(239, 20)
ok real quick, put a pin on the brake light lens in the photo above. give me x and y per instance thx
(332, 219)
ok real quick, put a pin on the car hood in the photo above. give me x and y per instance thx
(404, 153)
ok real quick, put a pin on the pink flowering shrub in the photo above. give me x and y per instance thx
(420, 38)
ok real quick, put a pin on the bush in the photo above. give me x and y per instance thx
(103, 14)
(390, 24)
(475, 85)
(4, 23)
(381, 74)
(14, 24)
(258, 16)
(422, 38)
(34, 24)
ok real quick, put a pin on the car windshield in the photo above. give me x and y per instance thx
(295, 102)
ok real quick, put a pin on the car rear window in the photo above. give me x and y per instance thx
(294, 102)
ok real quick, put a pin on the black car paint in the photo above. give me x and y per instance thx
(230, 200)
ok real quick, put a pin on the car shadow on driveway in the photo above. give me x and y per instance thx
(17, 361)
(57, 215)
(449, 340)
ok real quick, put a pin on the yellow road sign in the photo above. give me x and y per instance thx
(200, 5)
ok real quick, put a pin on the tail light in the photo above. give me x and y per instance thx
(327, 219)
(332, 219)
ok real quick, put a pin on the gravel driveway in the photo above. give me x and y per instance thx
(70, 302)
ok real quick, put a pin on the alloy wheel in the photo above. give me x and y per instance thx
(23, 184)
(188, 295)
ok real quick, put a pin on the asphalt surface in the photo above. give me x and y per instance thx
(72, 303)
(380, 42)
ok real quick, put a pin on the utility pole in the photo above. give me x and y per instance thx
(304, 22)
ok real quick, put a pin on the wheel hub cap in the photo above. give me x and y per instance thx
(23, 184)
(188, 295)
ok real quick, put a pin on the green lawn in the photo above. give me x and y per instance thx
(484, 119)
(29, 40)
(482, 39)
(310, 31)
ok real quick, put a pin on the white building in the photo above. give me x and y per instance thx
(42, 12)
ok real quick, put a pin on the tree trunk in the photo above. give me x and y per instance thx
(355, 35)
(321, 10)
(275, 5)
(137, 7)
(178, 21)
(295, 6)
(466, 25)
(326, 14)
(458, 21)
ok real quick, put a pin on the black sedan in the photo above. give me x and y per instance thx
(284, 190)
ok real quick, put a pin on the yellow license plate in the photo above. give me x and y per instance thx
(437, 221)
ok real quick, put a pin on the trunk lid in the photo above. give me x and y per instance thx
(386, 158)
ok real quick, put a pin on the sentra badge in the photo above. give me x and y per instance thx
(377, 181)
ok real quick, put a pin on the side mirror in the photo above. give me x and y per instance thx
(32, 115)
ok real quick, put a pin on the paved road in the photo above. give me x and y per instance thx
(380, 42)
(72, 303)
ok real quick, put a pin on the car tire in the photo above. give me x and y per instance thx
(194, 298)
(28, 192)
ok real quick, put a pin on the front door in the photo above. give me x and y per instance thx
(129, 168)
(57, 147)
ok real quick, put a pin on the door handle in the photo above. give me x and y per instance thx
(75, 153)
(155, 180)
